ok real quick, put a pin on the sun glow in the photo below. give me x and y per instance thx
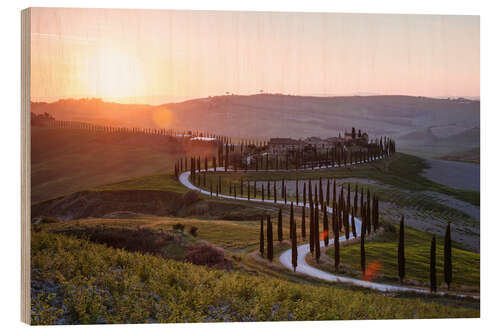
(115, 75)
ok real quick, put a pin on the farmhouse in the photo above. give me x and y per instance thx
(277, 145)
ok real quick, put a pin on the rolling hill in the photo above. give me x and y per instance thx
(413, 120)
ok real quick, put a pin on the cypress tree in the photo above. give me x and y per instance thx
(401, 251)
(248, 190)
(311, 219)
(321, 202)
(336, 244)
(269, 239)
(334, 199)
(275, 199)
(263, 193)
(328, 192)
(268, 190)
(293, 232)
(283, 194)
(362, 243)
(262, 236)
(433, 265)
(368, 213)
(304, 193)
(317, 251)
(348, 198)
(316, 194)
(255, 189)
(303, 226)
(346, 214)
(311, 227)
(325, 226)
(280, 226)
(447, 257)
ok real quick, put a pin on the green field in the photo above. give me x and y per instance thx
(384, 249)
(64, 161)
(105, 285)
(159, 182)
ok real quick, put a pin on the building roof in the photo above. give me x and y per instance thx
(282, 141)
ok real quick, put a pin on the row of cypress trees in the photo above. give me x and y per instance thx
(334, 156)
(269, 232)
(339, 218)
(447, 259)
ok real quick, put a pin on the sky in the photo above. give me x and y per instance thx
(160, 56)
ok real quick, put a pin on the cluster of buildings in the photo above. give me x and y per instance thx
(277, 145)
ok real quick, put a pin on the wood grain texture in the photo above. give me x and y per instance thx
(25, 166)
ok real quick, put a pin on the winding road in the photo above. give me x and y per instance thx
(302, 266)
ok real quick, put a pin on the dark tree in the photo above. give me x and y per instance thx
(321, 202)
(269, 239)
(268, 190)
(275, 198)
(293, 236)
(304, 194)
(447, 257)
(311, 223)
(368, 213)
(433, 265)
(346, 222)
(362, 243)
(401, 251)
(303, 226)
(326, 236)
(317, 245)
(336, 243)
(262, 236)
(328, 192)
(280, 225)
(263, 193)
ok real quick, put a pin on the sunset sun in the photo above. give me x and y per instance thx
(117, 75)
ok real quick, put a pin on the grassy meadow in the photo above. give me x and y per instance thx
(99, 284)
(383, 249)
(64, 160)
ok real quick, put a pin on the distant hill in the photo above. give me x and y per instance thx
(411, 119)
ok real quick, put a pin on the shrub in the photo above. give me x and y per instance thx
(193, 231)
(204, 254)
(178, 226)
(139, 240)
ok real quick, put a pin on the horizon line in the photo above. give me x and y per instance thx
(114, 99)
